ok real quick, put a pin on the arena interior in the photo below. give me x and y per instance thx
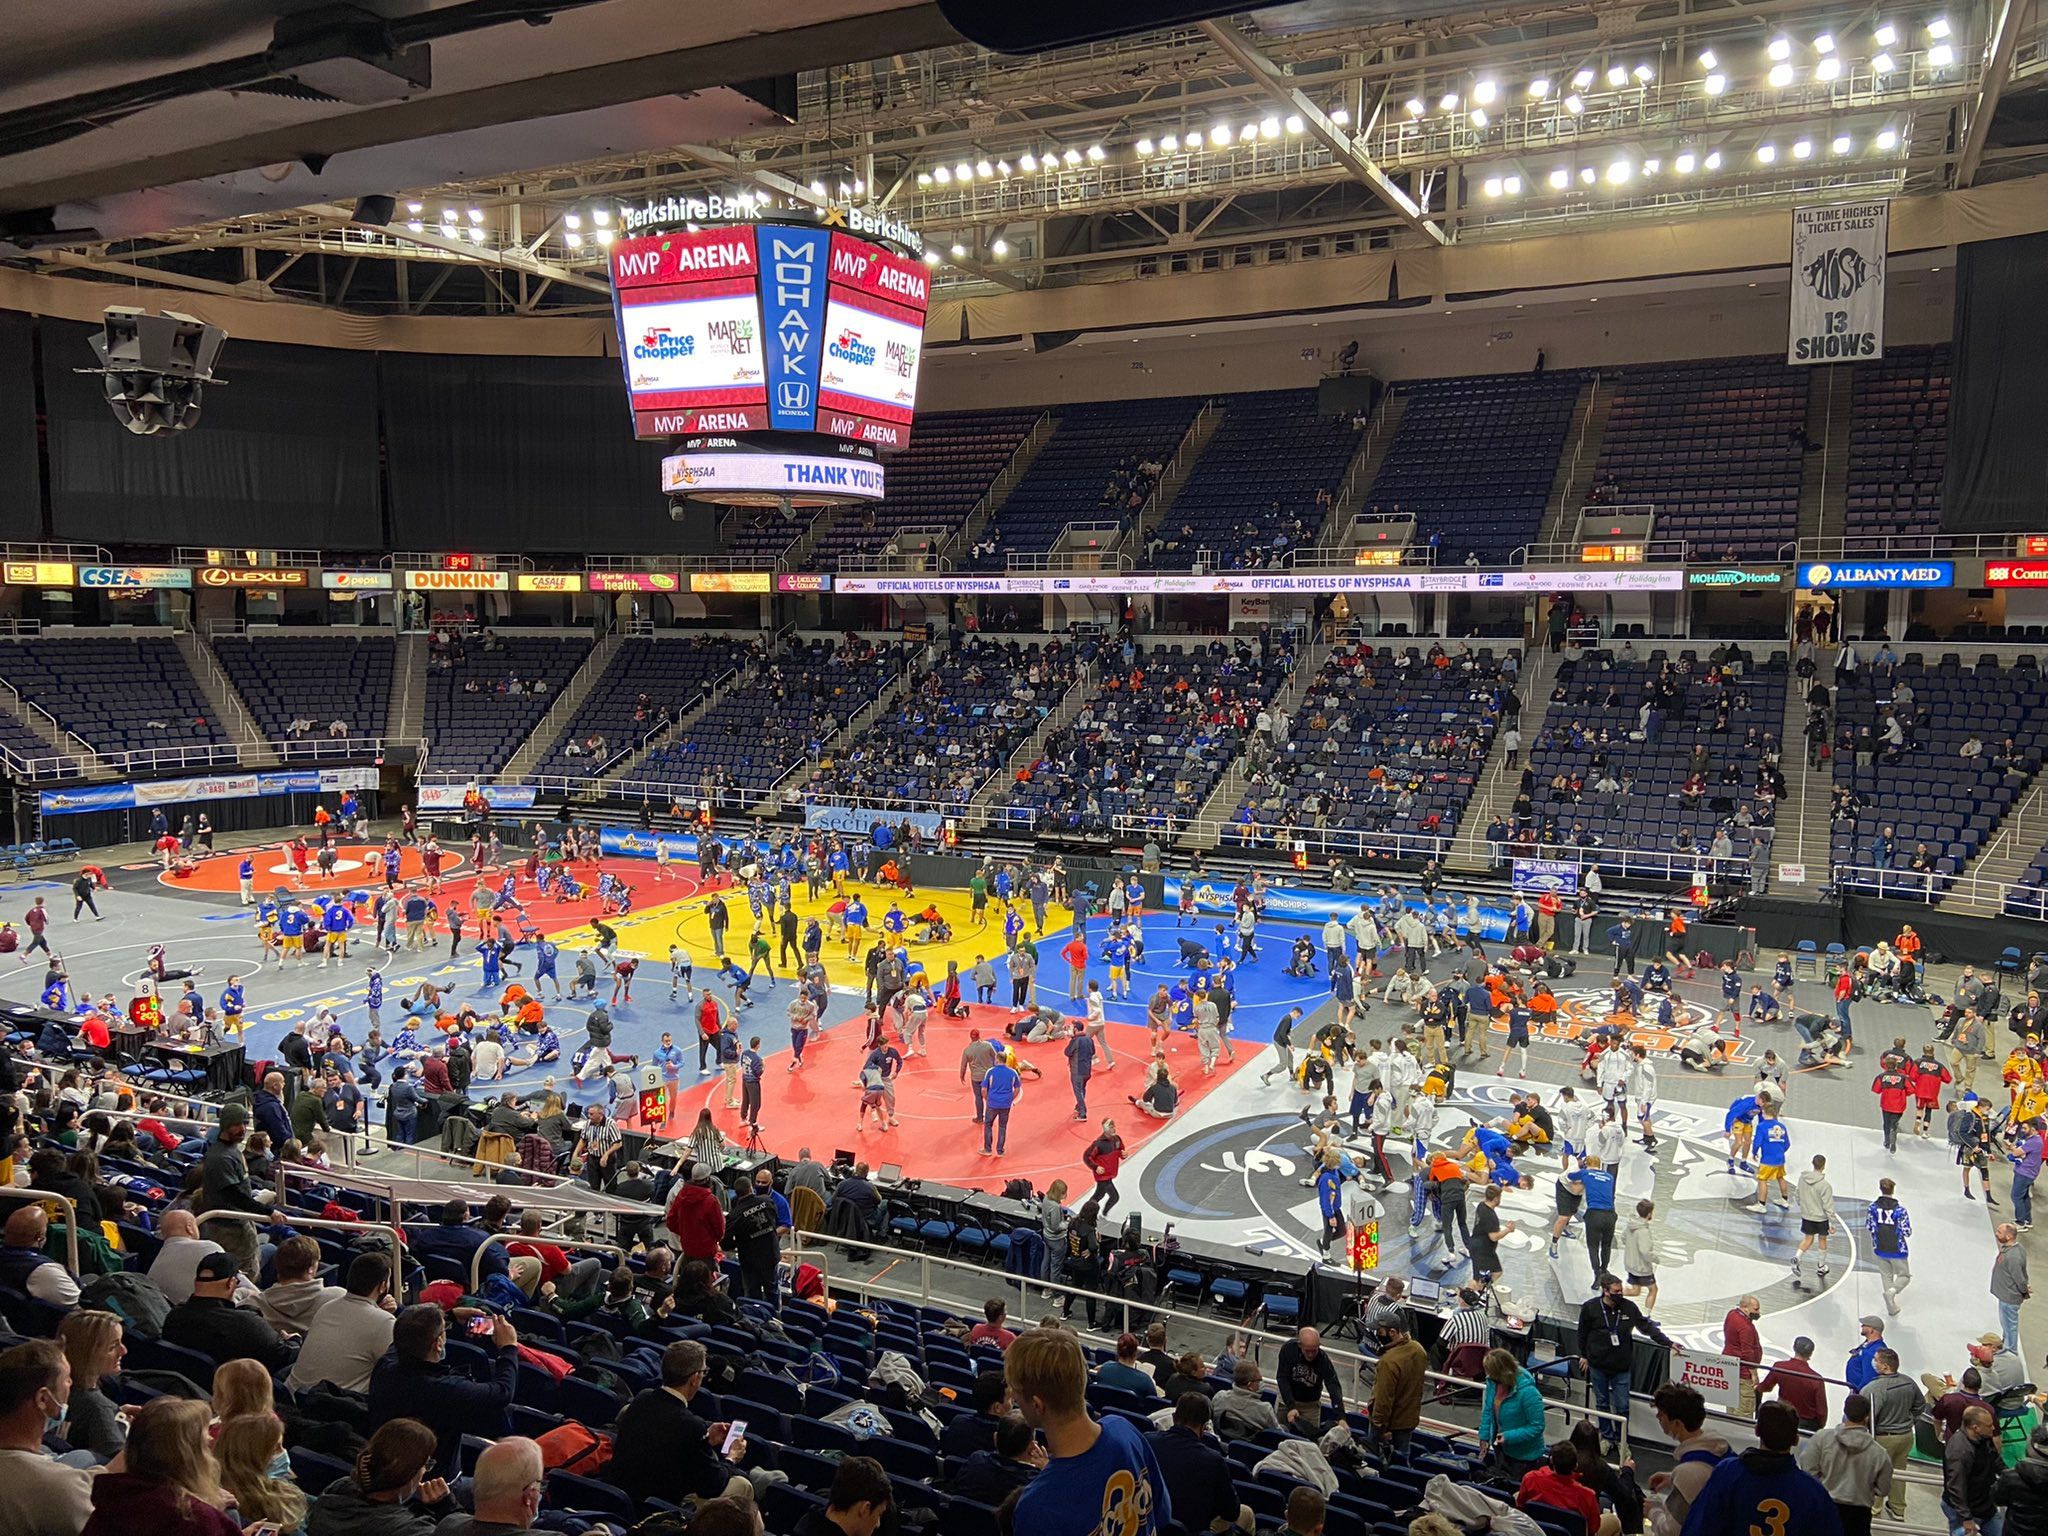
(726, 735)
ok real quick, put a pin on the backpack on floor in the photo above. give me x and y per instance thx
(132, 1297)
(576, 1448)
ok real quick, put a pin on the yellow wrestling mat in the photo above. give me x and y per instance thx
(650, 931)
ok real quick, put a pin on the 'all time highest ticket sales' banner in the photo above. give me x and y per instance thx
(1838, 261)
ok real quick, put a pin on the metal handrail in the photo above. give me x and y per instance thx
(295, 1219)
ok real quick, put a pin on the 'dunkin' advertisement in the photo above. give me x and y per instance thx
(1838, 255)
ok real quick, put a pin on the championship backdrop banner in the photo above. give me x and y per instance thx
(1837, 283)
(500, 797)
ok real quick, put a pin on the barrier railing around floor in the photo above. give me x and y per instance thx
(812, 1247)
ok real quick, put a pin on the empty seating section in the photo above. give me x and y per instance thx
(934, 483)
(475, 716)
(1254, 491)
(763, 532)
(644, 679)
(1593, 787)
(1708, 446)
(1928, 805)
(1149, 746)
(1473, 460)
(785, 712)
(1381, 756)
(1898, 445)
(119, 695)
(340, 675)
(1072, 474)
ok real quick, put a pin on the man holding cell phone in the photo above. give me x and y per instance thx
(663, 1450)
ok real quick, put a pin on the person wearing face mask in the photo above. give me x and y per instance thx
(38, 1496)
(1740, 1339)
(1608, 1324)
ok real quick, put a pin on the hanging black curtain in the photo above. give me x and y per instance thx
(21, 476)
(284, 455)
(518, 453)
(1997, 450)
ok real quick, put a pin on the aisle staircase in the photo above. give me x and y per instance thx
(251, 748)
(1494, 794)
(1824, 476)
(1223, 800)
(1174, 476)
(990, 796)
(1802, 825)
(2009, 855)
(999, 489)
(563, 710)
(408, 721)
(1573, 484)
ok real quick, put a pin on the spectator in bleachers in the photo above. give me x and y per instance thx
(297, 1294)
(350, 1333)
(1124, 1371)
(991, 1476)
(254, 1470)
(858, 1503)
(1241, 1410)
(662, 1450)
(392, 1490)
(451, 1236)
(209, 1321)
(92, 1343)
(39, 1496)
(506, 1490)
(991, 1329)
(1195, 1470)
(24, 1265)
(415, 1382)
(1096, 1473)
(968, 1433)
(169, 1483)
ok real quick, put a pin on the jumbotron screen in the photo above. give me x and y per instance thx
(770, 328)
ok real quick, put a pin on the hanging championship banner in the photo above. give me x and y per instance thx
(1838, 256)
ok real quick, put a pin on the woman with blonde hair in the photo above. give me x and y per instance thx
(92, 1343)
(169, 1485)
(242, 1387)
(1511, 1414)
(1053, 1219)
(254, 1468)
(378, 1497)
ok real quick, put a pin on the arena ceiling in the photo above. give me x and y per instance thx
(187, 150)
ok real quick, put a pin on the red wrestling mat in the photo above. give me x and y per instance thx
(938, 1139)
(361, 867)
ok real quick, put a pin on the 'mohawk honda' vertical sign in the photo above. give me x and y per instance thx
(1837, 283)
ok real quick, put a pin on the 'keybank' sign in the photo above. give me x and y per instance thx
(1842, 574)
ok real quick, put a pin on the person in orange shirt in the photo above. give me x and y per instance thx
(1674, 944)
(1075, 953)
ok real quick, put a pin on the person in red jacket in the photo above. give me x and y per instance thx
(1740, 1339)
(1894, 1090)
(1105, 1155)
(695, 1217)
(1075, 953)
(1929, 1076)
(1556, 1485)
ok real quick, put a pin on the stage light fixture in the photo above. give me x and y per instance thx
(1269, 128)
(1940, 56)
(1484, 92)
(1071, 158)
(412, 207)
(1652, 167)
(1539, 88)
(931, 258)
(1341, 116)
(1883, 64)
(1707, 59)
(1781, 75)
(414, 225)
(1575, 103)
(999, 247)
(573, 240)
(1220, 135)
(1767, 153)
(1588, 175)
(1096, 155)
(983, 169)
(1617, 76)
(817, 189)
(1714, 85)
(1825, 43)
(1803, 150)
(1449, 103)
(604, 237)
(1582, 79)
(1888, 139)
(1828, 69)
(1885, 36)
(1619, 172)
(1713, 161)
(1416, 106)
(1644, 74)
(1938, 28)
(1780, 49)
(1247, 133)
(1002, 169)
(601, 215)
(1294, 123)
(1030, 161)
(1512, 185)
(1560, 179)
(1843, 144)
(1479, 118)
(959, 251)
(942, 176)
(1144, 146)
(1683, 164)
(1491, 186)
(963, 172)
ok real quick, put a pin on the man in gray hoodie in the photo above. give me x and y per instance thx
(1239, 1411)
(1856, 1470)
(1896, 1402)
(1816, 1216)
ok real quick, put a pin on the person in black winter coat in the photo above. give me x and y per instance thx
(2022, 1490)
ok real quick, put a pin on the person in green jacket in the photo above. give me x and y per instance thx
(1511, 1413)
